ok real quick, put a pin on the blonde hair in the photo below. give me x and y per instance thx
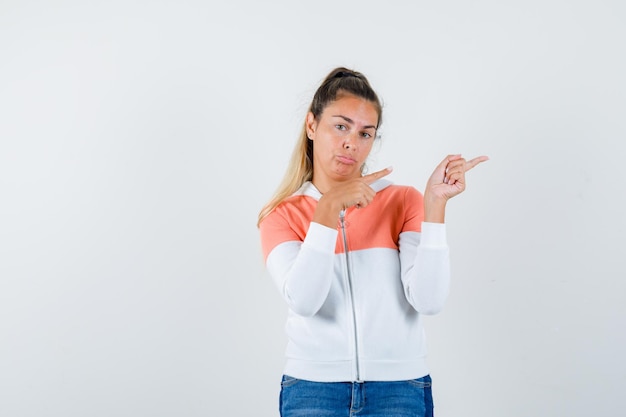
(300, 169)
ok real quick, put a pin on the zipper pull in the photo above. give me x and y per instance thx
(342, 216)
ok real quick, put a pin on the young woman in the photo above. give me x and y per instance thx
(358, 261)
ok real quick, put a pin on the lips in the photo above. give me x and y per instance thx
(346, 159)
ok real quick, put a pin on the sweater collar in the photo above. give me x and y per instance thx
(310, 190)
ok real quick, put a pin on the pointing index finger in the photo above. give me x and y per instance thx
(370, 178)
(473, 162)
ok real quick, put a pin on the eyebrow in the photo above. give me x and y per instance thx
(347, 119)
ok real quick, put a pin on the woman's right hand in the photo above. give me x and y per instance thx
(356, 192)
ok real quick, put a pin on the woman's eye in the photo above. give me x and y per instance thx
(366, 135)
(340, 127)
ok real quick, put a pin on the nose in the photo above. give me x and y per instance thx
(351, 141)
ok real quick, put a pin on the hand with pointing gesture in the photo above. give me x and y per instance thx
(447, 181)
(356, 192)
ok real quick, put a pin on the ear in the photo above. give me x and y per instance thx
(311, 125)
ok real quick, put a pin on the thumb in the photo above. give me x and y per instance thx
(441, 168)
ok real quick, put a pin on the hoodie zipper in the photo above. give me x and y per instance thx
(342, 216)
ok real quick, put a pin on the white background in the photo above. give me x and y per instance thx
(139, 139)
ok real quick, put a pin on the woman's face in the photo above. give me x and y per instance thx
(343, 136)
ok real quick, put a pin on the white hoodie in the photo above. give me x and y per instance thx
(356, 293)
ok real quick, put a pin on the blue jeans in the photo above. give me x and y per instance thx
(300, 398)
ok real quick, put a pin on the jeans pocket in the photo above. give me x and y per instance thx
(423, 382)
(288, 381)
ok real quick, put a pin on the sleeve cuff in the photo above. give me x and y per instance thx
(320, 238)
(434, 235)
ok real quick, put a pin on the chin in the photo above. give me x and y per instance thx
(348, 174)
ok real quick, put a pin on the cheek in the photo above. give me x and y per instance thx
(366, 148)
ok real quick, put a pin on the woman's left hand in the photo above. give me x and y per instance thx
(447, 181)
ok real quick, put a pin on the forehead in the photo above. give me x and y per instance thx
(359, 110)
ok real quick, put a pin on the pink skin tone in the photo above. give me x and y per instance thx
(343, 137)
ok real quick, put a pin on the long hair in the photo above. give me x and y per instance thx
(338, 81)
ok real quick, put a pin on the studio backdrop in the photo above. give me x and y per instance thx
(140, 139)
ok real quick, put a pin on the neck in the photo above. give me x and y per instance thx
(325, 184)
